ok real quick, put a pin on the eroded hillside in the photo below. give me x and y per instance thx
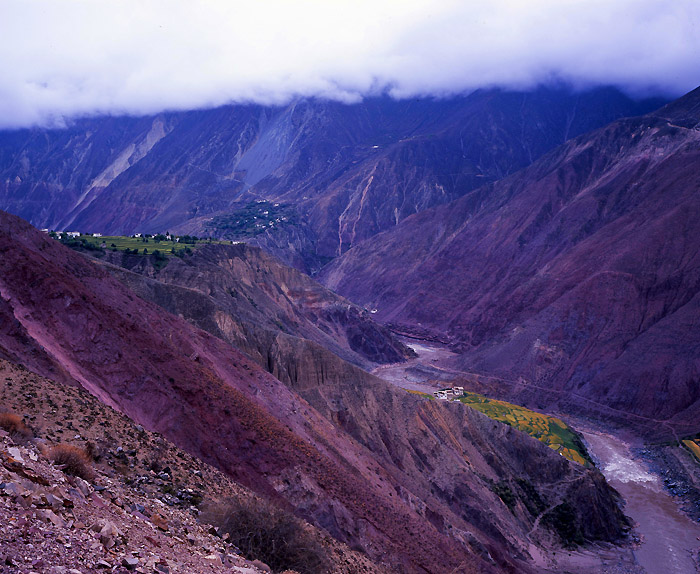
(337, 457)
(573, 282)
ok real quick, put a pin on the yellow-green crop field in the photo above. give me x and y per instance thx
(693, 446)
(122, 243)
(554, 432)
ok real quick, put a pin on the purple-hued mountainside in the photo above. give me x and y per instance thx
(410, 481)
(340, 173)
(574, 282)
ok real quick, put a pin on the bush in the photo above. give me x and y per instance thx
(505, 493)
(563, 520)
(74, 460)
(16, 427)
(261, 531)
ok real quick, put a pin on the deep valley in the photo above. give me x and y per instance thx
(273, 295)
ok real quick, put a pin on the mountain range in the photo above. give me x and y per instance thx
(343, 172)
(547, 238)
(574, 282)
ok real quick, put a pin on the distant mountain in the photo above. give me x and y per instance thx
(575, 282)
(339, 173)
(417, 484)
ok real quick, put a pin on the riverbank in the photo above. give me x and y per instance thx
(665, 540)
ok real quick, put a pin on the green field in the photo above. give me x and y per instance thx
(550, 430)
(554, 432)
(137, 245)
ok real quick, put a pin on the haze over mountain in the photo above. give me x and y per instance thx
(340, 173)
(574, 281)
(71, 59)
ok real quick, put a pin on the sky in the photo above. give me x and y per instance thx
(61, 59)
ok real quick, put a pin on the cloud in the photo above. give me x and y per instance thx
(62, 58)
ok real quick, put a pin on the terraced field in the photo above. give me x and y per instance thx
(552, 431)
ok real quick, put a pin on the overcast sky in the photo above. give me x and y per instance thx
(62, 58)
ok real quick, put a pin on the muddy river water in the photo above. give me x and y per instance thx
(669, 539)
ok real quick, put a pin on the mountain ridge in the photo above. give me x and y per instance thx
(550, 276)
(349, 171)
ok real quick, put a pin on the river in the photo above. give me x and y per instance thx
(669, 539)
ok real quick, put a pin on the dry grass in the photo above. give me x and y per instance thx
(74, 460)
(16, 427)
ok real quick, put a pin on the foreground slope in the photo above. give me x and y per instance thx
(66, 318)
(346, 171)
(574, 281)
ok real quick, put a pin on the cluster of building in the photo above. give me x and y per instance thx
(449, 393)
(70, 233)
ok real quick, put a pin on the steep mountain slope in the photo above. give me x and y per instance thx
(348, 171)
(575, 281)
(65, 317)
(364, 406)
(249, 299)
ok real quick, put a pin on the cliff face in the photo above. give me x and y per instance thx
(574, 281)
(244, 296)
(408, 480)
(347, 171)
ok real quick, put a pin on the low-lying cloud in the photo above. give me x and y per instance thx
(65, 58)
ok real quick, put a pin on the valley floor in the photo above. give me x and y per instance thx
(666, 540)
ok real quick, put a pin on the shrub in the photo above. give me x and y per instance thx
(74, 460)
(505, 493)
(16, 427)
(261, 531)
(563, 520)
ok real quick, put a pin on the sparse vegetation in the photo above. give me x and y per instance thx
(562, 519)
(15, 426)
(264, 532)
(74, 460)
(505, 493)
(159, 246)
